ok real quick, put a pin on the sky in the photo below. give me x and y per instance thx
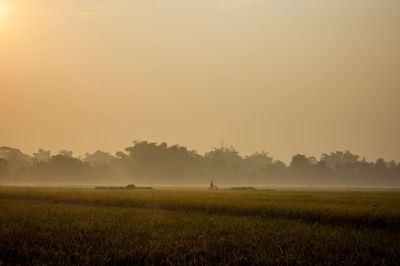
(285, 77)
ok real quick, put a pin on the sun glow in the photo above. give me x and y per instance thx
(3, 7)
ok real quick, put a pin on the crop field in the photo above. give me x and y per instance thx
(87, 226)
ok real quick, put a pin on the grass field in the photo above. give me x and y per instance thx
(85, 226)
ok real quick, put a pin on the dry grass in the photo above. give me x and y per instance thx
(83, 226)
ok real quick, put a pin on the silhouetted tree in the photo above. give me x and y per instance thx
(223, 164)
(98, 158)
(66, 153)
(3, 168)
(147, 162)
(41, 155)
(339, 158)
(16, 160)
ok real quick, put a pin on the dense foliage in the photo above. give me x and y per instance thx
(151, 163)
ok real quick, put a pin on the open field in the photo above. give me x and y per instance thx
(85, 226)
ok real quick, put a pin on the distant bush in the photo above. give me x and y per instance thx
(127, 187)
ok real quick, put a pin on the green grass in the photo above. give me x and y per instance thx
(84, 226)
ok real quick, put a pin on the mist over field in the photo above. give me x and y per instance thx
(150, 163)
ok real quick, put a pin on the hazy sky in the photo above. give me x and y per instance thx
(299, 76)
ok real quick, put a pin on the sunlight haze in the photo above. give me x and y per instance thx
(286, 77)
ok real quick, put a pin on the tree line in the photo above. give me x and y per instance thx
(159, 164)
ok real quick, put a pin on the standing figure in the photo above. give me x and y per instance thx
(211, 186)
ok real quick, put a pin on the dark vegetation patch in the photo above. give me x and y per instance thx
(243, 188)
(127, 187)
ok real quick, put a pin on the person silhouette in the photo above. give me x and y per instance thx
(211, 186)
